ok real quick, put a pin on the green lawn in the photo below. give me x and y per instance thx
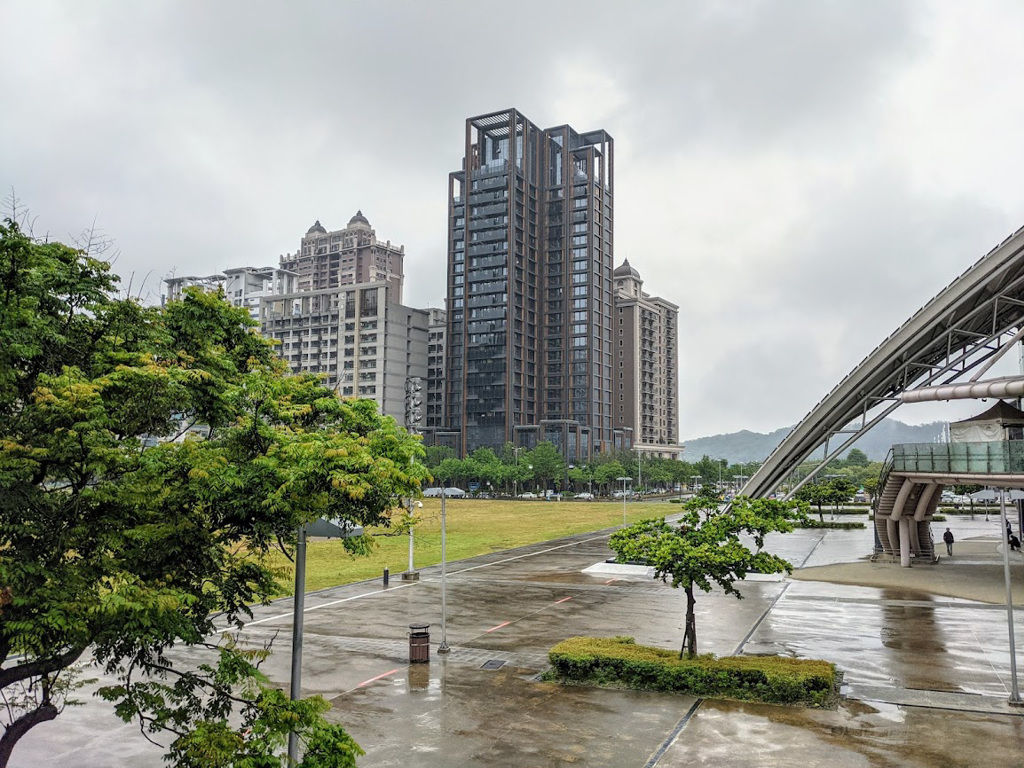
(474, 528)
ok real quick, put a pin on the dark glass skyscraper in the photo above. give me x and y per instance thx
(530, 231)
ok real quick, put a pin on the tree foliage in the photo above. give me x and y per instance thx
(709, 547)
(124, 538)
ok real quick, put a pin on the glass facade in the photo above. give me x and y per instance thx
(529, 281)
(993, 458)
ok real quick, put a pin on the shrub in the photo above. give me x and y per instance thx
(828, 524)
(620, 661)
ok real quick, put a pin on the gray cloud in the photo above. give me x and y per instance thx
(788, 172)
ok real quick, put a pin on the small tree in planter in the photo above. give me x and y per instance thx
(705, 547)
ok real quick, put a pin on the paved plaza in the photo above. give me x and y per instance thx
(926, 675)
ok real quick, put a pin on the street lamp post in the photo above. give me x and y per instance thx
(413, 419)
(623, 479)
(639, 471)
(515, 475)
(298, 607)
(443, 647)
(1014, 690)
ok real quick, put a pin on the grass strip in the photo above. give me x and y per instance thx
(475, 527)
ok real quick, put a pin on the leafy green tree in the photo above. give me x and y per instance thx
(547, 463)
(870, 483)
(125, 539)
(435, 454)
(606, 473)
(817, 494)
(840, 490)
(856, 458)
(582, 477)
(704, 548)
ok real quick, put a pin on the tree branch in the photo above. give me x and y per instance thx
(39, 667)
(21, 726)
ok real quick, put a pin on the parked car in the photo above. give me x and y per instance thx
(527, 495)
(585, 496)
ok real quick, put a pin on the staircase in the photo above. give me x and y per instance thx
(888, 490)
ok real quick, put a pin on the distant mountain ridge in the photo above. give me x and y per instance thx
(743, 446)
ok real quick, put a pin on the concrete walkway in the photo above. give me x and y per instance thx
(926, 677)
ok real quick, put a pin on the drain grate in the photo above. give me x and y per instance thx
(493, 664)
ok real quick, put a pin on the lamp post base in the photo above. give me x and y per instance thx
(411, 576)
(443, 648)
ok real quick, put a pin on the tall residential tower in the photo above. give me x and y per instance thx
(647, 362)
(529, 341)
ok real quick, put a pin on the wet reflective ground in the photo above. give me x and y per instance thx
(927, 676)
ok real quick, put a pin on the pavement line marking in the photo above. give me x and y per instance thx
(762, 617)
(610, 581)
(374, 679)
(327, 605)
(513, 621)
(530, 554)
(670, 739)
(413, 583)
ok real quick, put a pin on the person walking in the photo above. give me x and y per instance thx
(948, 538)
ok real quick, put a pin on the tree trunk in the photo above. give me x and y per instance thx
(690, 633)
(21, 726)
(821, 515)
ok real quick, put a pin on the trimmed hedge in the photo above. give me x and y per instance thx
(831, 524)
(618, 661)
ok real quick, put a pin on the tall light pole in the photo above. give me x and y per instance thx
(298, 606)
(639, 471)
(623, 479)
(1014, 690)
(515, 475)
(443, 647)
(413, 419)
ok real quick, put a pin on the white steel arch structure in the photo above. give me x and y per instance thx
(961, 331)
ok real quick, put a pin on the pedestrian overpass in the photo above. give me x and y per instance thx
(942, 352)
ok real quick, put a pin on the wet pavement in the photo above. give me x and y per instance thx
(926, 677)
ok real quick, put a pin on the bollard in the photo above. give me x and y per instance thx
(386, 574)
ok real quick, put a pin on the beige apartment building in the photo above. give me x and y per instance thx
(646, 381)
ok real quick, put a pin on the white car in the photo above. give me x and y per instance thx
(527, 495)
(585, 496)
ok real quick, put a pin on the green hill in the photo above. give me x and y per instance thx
(743, 446)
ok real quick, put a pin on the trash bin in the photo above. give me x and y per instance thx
(419, 644)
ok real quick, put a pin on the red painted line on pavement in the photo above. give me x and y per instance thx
(562, 600)
(378, 677)
(503, 624)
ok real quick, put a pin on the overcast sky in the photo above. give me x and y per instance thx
(800, 177)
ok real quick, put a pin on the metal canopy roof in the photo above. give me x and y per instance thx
(955, 332)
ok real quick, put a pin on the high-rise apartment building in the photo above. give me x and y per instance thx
(530, 228)
(335, 308)
(646, 383)
(344, 257)
(436, 331)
